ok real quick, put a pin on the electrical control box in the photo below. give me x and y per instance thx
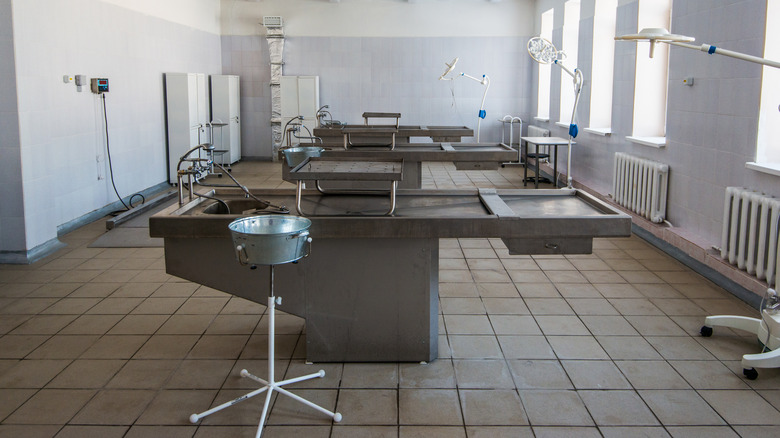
(99, 85)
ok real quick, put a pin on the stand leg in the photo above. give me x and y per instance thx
(271, 385)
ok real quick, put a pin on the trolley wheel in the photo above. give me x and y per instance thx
(750, 373)
(219, 175)
(706, 331)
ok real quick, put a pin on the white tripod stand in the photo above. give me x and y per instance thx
(270, 385)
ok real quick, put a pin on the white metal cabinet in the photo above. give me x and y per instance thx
(186, 109)
(301, 97)
(226, 108)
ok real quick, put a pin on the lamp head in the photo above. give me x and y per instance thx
(450, 68)
(543, 51)
(655, 35)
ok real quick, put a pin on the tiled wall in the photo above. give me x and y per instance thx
(386, 74)
(62, 143)
(710, 126)
(11, 204)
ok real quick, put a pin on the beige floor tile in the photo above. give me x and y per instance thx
(52, 290)
(453, 264)
(143, 374)
(200, 374)
(566, 432)
(538, 290)
(51, 406)
(92, 432)
(468, 324)
(520, 264)
(505, 306)
(680, 408)
(185, 325)
(429, 406)
(63, 347)
(91, 324)
(635, 306)
(595, 374)
(462, 306)
(431, 432)
(368, 406)
(576, 347)
(544, 408)
(233, 324)
(200, 306)
(526, 347)
(43, 325)
(483, 374)
(437, 374)
(87, 373)
(617, 290)
(658, 290)
(115, 347)
(526, 276)
(492, 407)
(27, 306)
(157, 306)
(548, 306)
(485, 264)
(741, 407)
(608, 325)
(455, 276)
(162, 431)
(647, 374)
(490, 276)
(539, 374)
(95, 290)
(499, 432)
(679, 348)
(138, 325)
(114, 306)
(708, 374)
(646, 432)
(174, 407)
(177, 289)
(618, 408)
(577, 290)
(628, 348)
(655, 325)
(479, 253)
(474, 347)
(218, 347)
(15, 431)
(515, 325)
(458, 290)
(756, 431)
(11, 399)
(561, 325)
(364, 431)
(166, 347)
(370, 375)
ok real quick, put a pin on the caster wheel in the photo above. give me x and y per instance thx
(706, 331)
(219, 175)
(750, 373)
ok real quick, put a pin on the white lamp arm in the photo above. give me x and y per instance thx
(483, 81)
(716, 50)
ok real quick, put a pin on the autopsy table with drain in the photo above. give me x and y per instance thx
(466, 156)
(369, 290)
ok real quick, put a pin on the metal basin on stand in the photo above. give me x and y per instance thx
(270, 239)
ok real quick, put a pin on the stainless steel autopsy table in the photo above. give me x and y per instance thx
(369, 289)
(466, 156)
(333, 135)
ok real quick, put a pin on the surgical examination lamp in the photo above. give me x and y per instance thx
(484, 81)
(544, 52)
(658, 35)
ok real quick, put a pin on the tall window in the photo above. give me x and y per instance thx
(543, 92)
(571, 35)
(651, 77)
(602, 65)
(768, 149)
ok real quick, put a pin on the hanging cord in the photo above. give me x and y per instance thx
(111, 168)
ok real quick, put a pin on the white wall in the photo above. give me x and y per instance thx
(11, 202)
(382, 18)
(383, 55)
(197, 14)
(64, 166)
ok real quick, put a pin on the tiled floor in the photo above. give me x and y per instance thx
(103, 343)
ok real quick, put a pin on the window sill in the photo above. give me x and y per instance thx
(770, 168)
(606, 132)
(542, 119)
(656, 142)
(562, 125)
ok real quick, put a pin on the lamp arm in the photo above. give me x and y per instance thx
(560, 64)
(730, 53)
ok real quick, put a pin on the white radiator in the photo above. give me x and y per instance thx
(750, 233)
(535, 131)
(640, 185)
